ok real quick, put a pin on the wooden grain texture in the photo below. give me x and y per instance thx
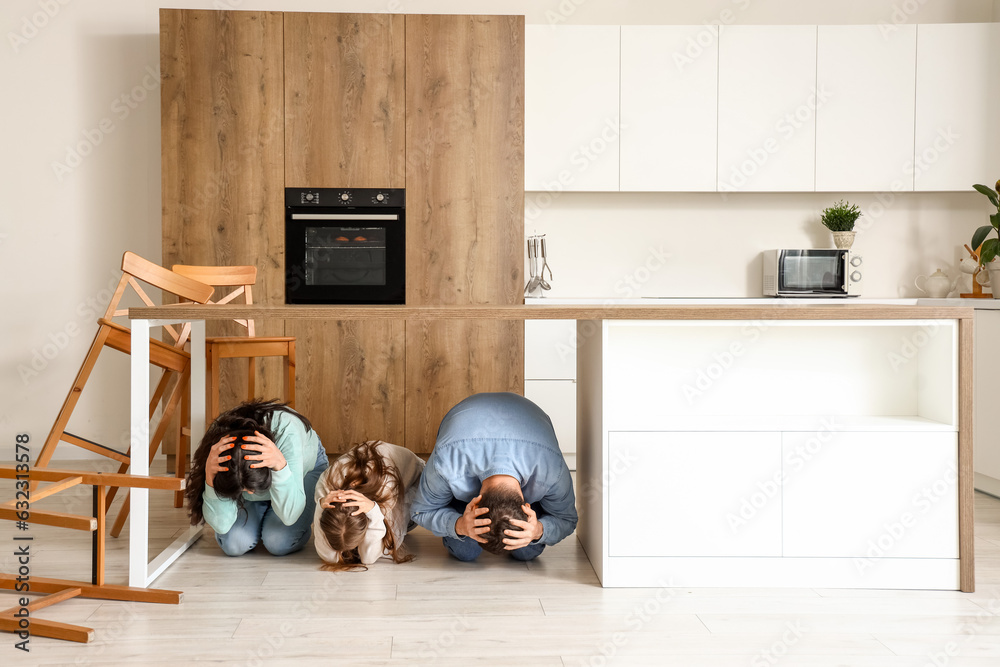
(344, 100)
(464, 159)
(966, 490)
(222, 147)
(354, 372)
(465, 209)
(449, 361)
(590, 312)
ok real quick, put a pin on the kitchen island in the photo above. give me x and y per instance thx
(778, 444)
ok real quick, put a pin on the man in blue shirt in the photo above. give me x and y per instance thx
(496, 480)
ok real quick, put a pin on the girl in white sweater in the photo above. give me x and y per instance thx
(363, 506)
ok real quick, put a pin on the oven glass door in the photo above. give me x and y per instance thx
(345, 258)
(813, 272)
(336, 255)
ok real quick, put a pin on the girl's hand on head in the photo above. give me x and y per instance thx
(216, 461)
(349, 498)
(266, 453)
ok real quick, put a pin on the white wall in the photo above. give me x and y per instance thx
(65, 66)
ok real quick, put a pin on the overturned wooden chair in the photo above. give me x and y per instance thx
(174, 361)
(59, 590)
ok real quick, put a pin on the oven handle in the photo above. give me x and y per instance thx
(344, 216)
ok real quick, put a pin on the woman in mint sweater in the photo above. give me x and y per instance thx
(253, 478)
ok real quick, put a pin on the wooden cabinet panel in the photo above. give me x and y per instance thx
(222, 119)
(350, 379)
(344, 100)
(447, 361)
(464, 159)
(465, 209)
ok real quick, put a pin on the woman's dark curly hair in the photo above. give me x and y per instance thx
(243, 420)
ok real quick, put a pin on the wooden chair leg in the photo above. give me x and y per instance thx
(43, 628)
(212, 382)
(183, 455)
(290, 374)
(252, 378)
(62, 419)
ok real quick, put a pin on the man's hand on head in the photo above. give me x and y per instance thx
(527, 531)
(469, 524)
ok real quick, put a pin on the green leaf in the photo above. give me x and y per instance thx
(995, 221)
(980, 235)
(990, 250)
(989, 192)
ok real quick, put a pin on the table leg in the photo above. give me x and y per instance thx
(138, 523)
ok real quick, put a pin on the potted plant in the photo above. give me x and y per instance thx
(990, 247)
(840, 219)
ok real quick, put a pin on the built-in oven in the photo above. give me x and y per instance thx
(345, 245)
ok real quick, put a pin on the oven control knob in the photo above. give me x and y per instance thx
(345, 197)
(856, 276)
(855, 261)
(310, 196)
(380, 197)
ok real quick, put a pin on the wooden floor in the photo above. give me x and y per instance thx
(262, 610)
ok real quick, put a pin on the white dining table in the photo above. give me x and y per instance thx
(142, 571)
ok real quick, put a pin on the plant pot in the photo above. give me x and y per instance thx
(994, 269)
(843, 240)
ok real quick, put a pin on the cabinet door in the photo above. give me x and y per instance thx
(222, 158)
(557, 398)
(864, 127)
(550, 349)
(465, 209)
(957, 97)
(344, 100)
(669, 108)
(350, 377)
(987, 393)
(870, 495)
(767, 108)
(571, 124)
(694, 494)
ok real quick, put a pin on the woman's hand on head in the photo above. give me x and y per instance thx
(216, 461)
(265, 453)
(349, 498)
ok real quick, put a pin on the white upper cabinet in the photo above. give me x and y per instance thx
(767, 108)
(669, 108)
(956, 139)
(571, 125)
(864, 127)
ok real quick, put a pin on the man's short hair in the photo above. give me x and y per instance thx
(503, 504)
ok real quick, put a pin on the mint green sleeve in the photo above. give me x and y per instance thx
(219, 513)
(288, 497)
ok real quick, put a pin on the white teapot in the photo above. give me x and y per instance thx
(937, 285)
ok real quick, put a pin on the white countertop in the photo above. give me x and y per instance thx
(984, 304)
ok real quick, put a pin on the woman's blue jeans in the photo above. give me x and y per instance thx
(257, 522)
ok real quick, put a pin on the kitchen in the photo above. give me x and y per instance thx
(664, 244)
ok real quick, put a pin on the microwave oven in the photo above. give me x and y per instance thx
(812, 273)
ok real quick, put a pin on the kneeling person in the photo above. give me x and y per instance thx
(496, 480)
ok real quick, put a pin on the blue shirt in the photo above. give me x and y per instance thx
(496, 434)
